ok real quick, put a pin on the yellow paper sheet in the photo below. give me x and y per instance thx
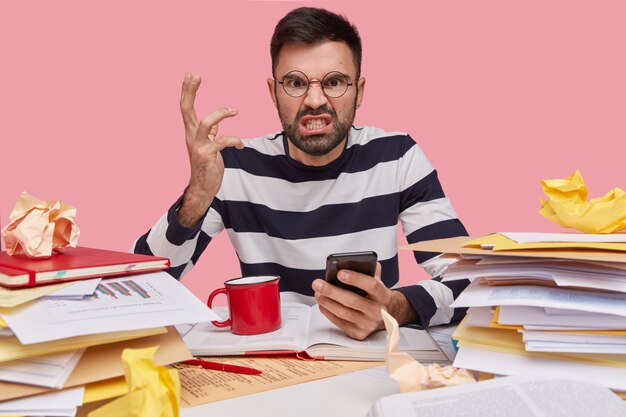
(457, 245)
(13, 298)
(503, 243)
(567, 206)
(154, 391)
(104, 390)
(201, 386)
(12, 349)
(510, 341)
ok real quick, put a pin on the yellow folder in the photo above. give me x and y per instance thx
(496, 325)
(458, 245)
(510, 341)
(501, 242)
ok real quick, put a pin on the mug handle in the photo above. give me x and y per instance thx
(209, 303)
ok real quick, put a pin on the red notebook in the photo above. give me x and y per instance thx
(74, 264)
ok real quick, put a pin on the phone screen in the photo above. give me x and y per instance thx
(363, 262)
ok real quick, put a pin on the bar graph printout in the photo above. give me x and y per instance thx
(122, 289)
(112, 298)
(143, 301)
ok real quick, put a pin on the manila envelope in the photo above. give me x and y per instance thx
(501, 242)
(105, 362)
(456, 245)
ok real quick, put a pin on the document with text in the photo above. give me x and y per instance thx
(523, 396)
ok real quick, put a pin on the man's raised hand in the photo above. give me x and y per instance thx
(203, 146)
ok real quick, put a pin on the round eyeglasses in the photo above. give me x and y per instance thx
(296, 84)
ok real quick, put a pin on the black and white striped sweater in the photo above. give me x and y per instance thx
(284, 218)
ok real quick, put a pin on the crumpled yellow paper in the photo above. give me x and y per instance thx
(154, 391)
(39, 227)
(412, 375)
(567, 205)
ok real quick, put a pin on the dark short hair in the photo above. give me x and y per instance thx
(312, 25)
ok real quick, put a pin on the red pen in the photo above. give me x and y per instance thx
(218, 366)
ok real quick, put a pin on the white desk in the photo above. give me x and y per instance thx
(344, 395)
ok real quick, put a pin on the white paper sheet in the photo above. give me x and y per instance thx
(48, 371)
(563, 274)
(58, 403)
(532, 335)
(530, 237)
(531, 316)
(77, 290)
(564, 312)
(575, 348)
(479, 316)
(596, 283)
(476, 295)
(442, 335)
(527, 396)
(129, 303)
(541, 341)
(508, 364)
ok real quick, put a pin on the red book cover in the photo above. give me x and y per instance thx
(74, 264)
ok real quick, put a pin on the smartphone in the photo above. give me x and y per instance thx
(364, 262)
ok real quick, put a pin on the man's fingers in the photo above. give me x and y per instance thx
(228, 142)
(208, 125)
(375, 288)
(339, 310)
(217, 116)
(337, 321)
(347, 326)
(356, 316)
(191, 83)
(347, 297)
(342, 303)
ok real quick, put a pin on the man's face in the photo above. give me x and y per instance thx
(316, 124)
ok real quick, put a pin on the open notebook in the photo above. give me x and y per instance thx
(305, 329)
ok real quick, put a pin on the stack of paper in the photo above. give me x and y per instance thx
(60, 404)
(56, 339)
(541, 302)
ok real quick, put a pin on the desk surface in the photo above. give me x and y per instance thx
(344, 395)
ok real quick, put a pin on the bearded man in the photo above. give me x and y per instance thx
(319, 186)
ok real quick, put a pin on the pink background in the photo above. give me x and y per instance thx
(499, 94)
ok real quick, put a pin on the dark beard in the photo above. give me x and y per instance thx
(316, 145)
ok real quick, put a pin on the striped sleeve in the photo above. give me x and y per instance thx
(425, 214)
(181, 245)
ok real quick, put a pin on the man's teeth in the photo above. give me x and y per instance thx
(315, 124)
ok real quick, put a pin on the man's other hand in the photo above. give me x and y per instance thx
(357, 316)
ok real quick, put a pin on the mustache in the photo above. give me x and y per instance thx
(316, 112)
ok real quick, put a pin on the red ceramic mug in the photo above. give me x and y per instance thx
(253, 304)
